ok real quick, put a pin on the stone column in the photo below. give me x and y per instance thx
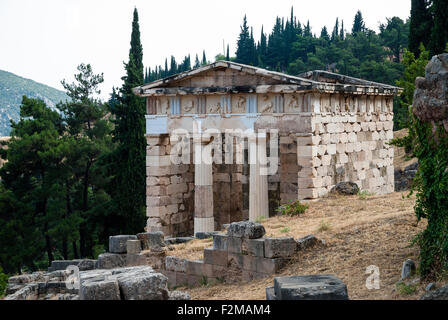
(258, 179)
(203, 194)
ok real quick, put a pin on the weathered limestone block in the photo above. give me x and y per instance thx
(220, 242)
(143, 285)
(431, 94)
(316, 287)
(246, 229)
(151, 240)
(279, 247)
(175, 264)
(134, 260)
(111, 260)
(307, 193)
(99, 290)
(133, 246)
(215, 257)
(253, 247)
(117, 244)
(179, 295)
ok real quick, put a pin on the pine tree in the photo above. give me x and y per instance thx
(244, 51)
(439, 35)
(90, 138)
(127, 161)
(32, 180)
(358, 23)
(324, 34)
(420, 25)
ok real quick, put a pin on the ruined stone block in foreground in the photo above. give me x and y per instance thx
(117, 244)
(279, 247)
(314, 287)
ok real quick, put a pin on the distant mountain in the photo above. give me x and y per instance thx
(13, 88)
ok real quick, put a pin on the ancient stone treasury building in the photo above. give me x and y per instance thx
(229, 142)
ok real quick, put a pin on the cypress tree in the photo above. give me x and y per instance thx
(228, 54)
(335, 33)
(439, 35)
(127, 161)
(204, 58)
(197, 64)
(420, 25)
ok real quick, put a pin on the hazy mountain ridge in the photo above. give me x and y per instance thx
(13, 88)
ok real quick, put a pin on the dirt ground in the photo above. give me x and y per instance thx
(359, 231)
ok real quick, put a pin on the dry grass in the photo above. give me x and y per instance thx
(376, 231)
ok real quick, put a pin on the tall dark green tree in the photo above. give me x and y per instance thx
(245, 46)
(84, 116)
(439, 35)
(204, 58)
(420, 25)
(126, 164)
(358, 23)
(31, 187)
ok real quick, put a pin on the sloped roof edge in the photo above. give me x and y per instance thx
(307, 78)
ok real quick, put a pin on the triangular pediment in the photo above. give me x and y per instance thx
(225, 74)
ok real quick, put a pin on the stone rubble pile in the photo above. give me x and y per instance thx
(243, 254)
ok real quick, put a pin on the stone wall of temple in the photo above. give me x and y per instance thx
(347, 147)
(169, 190)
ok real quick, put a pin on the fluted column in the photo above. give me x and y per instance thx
(203, 191)
(258, 180)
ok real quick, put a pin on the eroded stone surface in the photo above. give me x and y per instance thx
(431, 93)
(314, 287)
(246, 229)
(117, 244)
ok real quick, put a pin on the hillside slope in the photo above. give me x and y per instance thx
(13, 88)
(359, 231)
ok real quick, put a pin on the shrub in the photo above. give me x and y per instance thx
(324, 226)
(430, 145)
(3, 282)
(293, 209)
(406, 289)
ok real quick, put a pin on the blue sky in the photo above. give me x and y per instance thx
(45, 40)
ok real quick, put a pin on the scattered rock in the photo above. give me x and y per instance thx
(431, 93)
(346, 188)
(111, 261)
(204, 235)
(246, 229)
(403, 178)
(179, 240)
(430, 287)
(279, 247)
(270, 294)
(151, 240)
(307, 242)
(438, 294)
(133, 246)
(175, 264)
(117, 244)
(314, 287)
(179, 295)
(408, 269)
(143, 284)
(99, 290)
